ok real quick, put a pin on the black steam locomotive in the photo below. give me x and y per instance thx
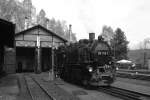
(88, 61)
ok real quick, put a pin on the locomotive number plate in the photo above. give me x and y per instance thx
(102, 53)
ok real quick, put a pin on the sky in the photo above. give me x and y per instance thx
(132, 16)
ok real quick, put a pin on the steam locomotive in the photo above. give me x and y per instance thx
(88, 62)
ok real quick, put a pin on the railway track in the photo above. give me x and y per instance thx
(39, 89)
(35, 90)
(124, 94)
(134, 76)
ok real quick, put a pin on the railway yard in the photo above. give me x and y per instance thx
(45, 58)
(29, 86)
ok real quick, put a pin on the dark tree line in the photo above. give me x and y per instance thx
(118, 41)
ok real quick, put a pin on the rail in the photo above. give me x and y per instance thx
(35, 90)
(124, 94)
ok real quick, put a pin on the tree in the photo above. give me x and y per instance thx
(65, 29)
(23, 14)
(119, 44)
(41, 19)
(52, 23)
(12, 11)
(73, 36)
(16, 12)
(60, 28)
(30, 13)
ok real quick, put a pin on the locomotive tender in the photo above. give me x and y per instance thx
(88, 62)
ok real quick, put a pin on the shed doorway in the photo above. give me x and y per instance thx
(46, 59)
(25, 59)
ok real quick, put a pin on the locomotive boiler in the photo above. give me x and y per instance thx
(88, 62)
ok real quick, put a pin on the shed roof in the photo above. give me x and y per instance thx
(41, 27)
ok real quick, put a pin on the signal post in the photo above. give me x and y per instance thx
(38, 50)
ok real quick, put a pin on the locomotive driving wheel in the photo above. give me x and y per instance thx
(86, 83)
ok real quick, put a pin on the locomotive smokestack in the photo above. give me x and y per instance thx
(91, 36)
(70, 32)
(47, 23)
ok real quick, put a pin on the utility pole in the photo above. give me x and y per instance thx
(144, 62)
(51, 72)
(70, 32)
(145, 47)
(114, 49)
(38, 70)
(26, 24)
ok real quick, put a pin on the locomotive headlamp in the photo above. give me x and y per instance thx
(90, 69)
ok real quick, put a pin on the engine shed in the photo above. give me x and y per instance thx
(34, 49)
(7, 31)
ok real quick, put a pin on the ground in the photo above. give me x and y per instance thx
(9, 89)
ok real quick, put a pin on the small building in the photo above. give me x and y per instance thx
(34, 49)
(124, 64)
